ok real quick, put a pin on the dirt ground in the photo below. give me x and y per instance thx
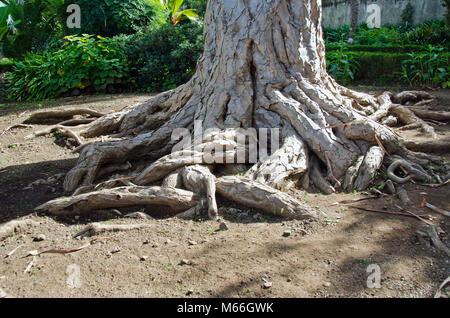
(325, 258)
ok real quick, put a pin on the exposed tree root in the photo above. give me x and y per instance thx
(177, 200)
(42, 116)
(199, 179)
(409, 118)
(265, 198)
(14, 227)
(14, 126)
(98, 228)
(432, 233)
(429, 114)
(412, 97)
(438, 146)
(261, 70)
(63, 130)
(414, 172)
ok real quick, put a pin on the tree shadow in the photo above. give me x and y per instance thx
(347, 277)
(17, 199)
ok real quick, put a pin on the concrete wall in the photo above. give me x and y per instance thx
(337, 12)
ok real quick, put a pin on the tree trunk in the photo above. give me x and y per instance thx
(355, 4)
(263, 66)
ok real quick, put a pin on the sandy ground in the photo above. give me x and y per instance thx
(325, 258)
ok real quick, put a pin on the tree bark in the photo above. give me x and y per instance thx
(263, 66)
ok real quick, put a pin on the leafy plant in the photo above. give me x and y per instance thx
(342, 65)
(431, 67)
(30, 27)
(6, 25)
(109, 18)
(176, 16)
(81, 64)
(163, 57)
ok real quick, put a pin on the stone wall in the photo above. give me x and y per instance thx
(337, 12)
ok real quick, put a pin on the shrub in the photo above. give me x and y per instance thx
(83, 64)
(376, 48)
(342, 65)
(427, 68)
(33, 30)
(113, 17)
(164, 57)
(430, 32)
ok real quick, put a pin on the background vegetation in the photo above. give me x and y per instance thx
(145, 45)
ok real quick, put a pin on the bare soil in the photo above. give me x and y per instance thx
(326, 258)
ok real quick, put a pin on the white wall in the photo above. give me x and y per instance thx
(338, 13)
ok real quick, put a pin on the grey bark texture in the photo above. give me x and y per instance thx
(263, 66)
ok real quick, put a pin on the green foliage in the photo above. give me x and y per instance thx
(32, 30)
(198, 5)
(164, 57)
(375, 48)
(114, 17)
(336, 35)
(176, 13)
(82, 63)
(342, 65)
(427, 68)
(432, 32)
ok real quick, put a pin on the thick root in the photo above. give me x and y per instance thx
(40, 117)
(98, 228)
(265, 198)
(414, 172)
(177, 200)
(438, 146)
(409, 118)
(285, 167)
(62, 129)
(369, 167)
(411, 97)
(199, 179)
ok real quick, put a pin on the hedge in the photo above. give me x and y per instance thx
(376, 48)
(378, 65)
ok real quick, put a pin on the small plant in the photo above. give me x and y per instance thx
(176, 16)
(342, 65)
(431, 67)
(82, 63)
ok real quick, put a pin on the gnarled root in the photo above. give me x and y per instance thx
(409, 118)
(411, 97)
(259, 196)
(62, 129)
(98, 228)
(414, 172)
(177, 200)
(42, 116)
(199, 179)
